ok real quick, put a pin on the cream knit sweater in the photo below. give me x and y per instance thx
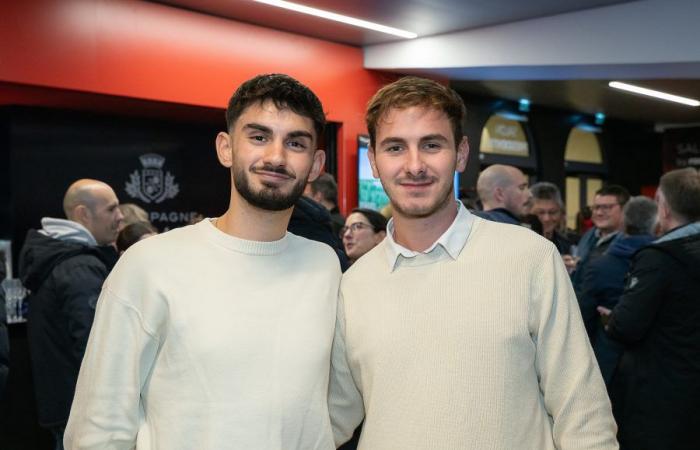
(487, 351)
(203, 341)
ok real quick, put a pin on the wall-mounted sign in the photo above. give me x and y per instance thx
(681, 148)
(504, 136)
(583, 146)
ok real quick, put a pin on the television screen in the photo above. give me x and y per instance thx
(370, 191)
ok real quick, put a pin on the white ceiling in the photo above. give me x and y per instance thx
(559, 53)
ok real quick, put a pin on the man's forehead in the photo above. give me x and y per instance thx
(269, 114)
(605, 198)
(545, 204)
(417, 111)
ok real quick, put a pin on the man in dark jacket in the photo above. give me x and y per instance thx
(605, 279)
(656, 388)
(503, 193)
(324, 190)
(548, 206)
(607, 218)
(64, 265)
(313, 221)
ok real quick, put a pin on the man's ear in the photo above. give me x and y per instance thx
(498, 194)
(82, 215)
(317, 167)
(372, 162)
(223, 149)
(462, 155)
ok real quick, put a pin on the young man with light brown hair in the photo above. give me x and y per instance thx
(456, 332)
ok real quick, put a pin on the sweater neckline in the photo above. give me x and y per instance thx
(248, 247)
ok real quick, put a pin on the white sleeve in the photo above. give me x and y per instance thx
(107, 411)
(570, 380)
(344, 399)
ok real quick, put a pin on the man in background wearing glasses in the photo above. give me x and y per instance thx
(607, 221)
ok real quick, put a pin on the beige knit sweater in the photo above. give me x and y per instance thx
(487, 351)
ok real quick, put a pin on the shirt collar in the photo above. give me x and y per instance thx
(452, 240)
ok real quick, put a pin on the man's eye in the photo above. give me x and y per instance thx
(393, 149)
(258, 138)
(432, 146)
(297, 145)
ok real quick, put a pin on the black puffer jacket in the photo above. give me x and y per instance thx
(65, 279)
(656, 388)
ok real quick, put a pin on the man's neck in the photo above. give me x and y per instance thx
(245, 221)
(418, 234)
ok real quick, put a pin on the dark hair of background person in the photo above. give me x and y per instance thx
(376, 219)
(132, 233)
(639, 215)
(284, 91)
(681, 189)
(621, 193)
(326, 185)
(415, 91)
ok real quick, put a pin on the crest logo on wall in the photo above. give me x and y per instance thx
(152, 185)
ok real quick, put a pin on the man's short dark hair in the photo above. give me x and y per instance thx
(639, 216)
(622, 194)
(681, 189)
(415, 91)
(326, 185)
(545, 190)
(284, 91)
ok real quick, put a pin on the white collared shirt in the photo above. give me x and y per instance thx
(452, 241)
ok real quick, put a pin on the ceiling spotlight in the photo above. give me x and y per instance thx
(339, 18)
(653, 93)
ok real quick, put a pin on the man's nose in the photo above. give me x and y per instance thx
(414, 162)
(275, 154)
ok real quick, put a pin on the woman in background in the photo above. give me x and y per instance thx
(133, 233)
(364, 228)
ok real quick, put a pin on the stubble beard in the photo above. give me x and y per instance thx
(269, 198)
(441, 201)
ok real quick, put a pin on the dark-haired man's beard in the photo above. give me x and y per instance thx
(270, 198)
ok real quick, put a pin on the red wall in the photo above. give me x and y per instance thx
(148, 51)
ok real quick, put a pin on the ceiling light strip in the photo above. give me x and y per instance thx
(653, 93)
(339, 18)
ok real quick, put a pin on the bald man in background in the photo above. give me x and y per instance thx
(503, 193)
(64, 265)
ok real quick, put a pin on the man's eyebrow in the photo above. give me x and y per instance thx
(434, 137)
(392, 140)
(258, 127)
(300, 133)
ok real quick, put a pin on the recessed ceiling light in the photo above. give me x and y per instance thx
(339, 18)
(653, 93)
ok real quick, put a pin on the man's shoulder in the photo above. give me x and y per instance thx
(373, 264)
(685, 251)
(506, 235)
(315, 252)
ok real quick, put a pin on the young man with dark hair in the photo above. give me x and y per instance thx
(445, 337)
(218, 335)
(656, 388)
